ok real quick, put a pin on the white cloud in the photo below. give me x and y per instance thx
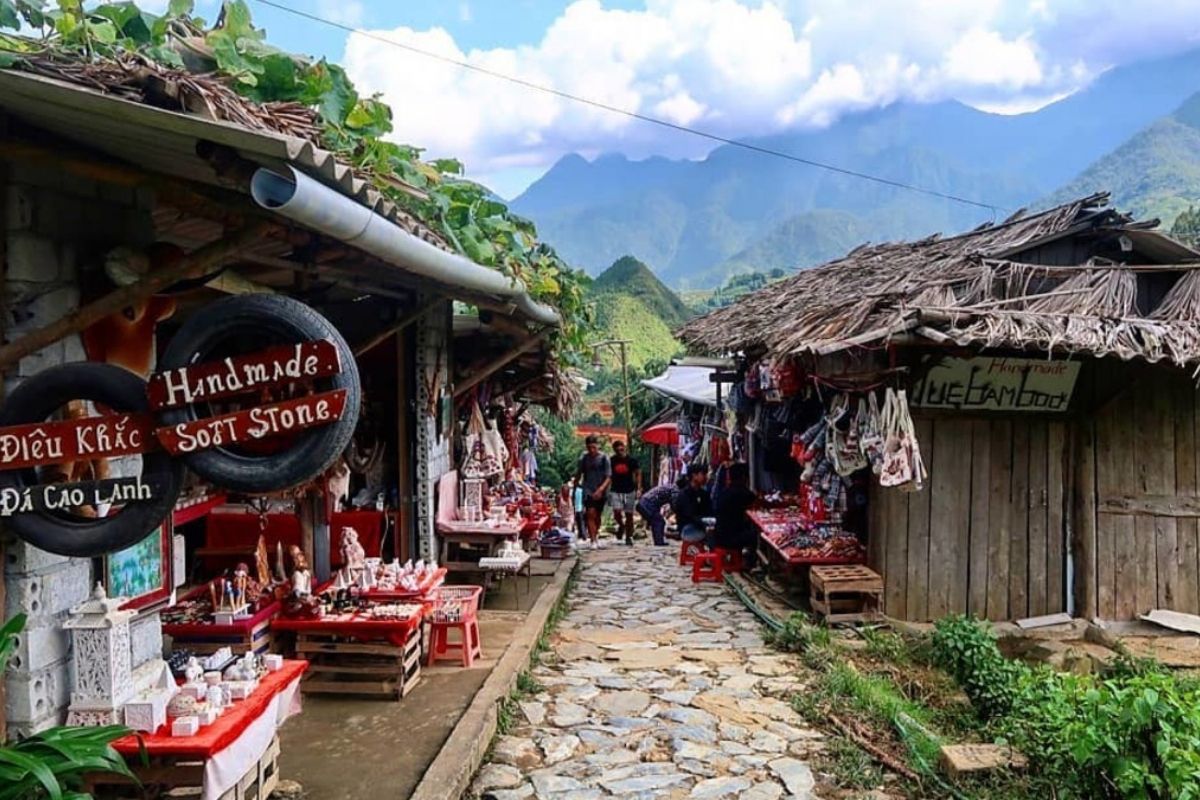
(746, 68)
(343, 12)
(464, 12)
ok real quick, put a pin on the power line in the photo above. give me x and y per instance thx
(632, 114)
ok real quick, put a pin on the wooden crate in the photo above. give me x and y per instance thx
(846, 592)
(183, 777)
(347, 666)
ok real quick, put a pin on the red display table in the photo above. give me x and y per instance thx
(231, 534)
(237, 752)
(431, 581)
(251, 633)
(464, 543)
(354, 654)
(776, 523)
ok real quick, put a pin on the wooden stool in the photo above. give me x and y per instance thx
(731, 560)
(688, 551)
(706, 567)
(858, 590)
(468, 646)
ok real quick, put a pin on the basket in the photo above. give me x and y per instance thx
(450, 604)
(557, 551)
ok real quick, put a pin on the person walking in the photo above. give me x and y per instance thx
(651, 506)
(693, 505)
(594, 473)
(625, 489)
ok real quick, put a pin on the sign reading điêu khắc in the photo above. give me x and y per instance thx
(997, 383)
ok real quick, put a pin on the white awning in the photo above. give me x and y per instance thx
(689, 384)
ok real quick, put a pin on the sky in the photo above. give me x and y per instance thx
(736, 68)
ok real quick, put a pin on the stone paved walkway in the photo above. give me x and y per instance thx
(655, 687)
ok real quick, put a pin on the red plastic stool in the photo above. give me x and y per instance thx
(707, 567)
(455, 608)
(731, 560)
(688, 551)
(467, 647)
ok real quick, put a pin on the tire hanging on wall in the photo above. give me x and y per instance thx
(37, 398)
(248, 323)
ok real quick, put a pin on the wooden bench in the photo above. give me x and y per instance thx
(376, 668)
(846, 593)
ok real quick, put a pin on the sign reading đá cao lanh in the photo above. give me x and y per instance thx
(997, 383)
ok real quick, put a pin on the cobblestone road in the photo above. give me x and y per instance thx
(655, 687)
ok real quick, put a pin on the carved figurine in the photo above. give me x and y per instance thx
(354, 557)
(301, 577)
(240, 586)
(192, 671)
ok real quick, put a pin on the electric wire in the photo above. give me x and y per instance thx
(768, 151)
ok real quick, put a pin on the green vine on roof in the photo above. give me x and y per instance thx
(350, 125)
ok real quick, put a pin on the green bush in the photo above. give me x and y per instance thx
(1132, 734)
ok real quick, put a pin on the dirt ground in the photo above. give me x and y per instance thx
(346, 747)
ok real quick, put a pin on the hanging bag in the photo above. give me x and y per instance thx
(844, 451)
(912, 446)
(897, 461)
(870, 439)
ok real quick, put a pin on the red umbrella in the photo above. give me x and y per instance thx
(664, 433)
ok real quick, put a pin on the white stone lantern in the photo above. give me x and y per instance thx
(103, 672)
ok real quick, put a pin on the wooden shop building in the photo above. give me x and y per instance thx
(1072, 484)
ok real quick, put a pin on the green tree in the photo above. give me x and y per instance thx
(1187, 227)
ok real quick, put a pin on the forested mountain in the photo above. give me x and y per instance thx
(698, 222)
(633, 305)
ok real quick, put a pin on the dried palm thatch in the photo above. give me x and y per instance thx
(965, 290)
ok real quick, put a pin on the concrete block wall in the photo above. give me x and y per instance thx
(55, 227)
(434, 453)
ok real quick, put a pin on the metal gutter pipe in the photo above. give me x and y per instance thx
(313, 204)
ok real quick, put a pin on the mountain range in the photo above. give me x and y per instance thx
(1134, 130)
(634, 306)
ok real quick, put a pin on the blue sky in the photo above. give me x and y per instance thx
(737, 68)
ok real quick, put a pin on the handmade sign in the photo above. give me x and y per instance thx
(87, 438)
(255, 424)
(997, 383)
(234, 376)
(68, 496)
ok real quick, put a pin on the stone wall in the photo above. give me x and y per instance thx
(55, 226)
(434, 452)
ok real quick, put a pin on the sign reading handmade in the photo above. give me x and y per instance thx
(83, 494)
(255, 424)
(235, 376)
(87, 438)
(996, 383)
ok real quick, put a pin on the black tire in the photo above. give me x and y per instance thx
(34, 400)
(245, 321)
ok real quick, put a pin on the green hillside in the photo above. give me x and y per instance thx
(632, 278)
(801, 241)
(1156, 173)
(623, 316)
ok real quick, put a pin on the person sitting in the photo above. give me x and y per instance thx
(693, 505)
(735, 531)
(651, 506)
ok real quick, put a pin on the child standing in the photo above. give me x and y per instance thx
(577, 507)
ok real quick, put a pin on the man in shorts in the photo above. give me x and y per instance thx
(625, 489)
(594, 473)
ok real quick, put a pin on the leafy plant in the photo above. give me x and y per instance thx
(352, 126)
(51, 764)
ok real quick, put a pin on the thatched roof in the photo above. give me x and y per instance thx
(973, 289)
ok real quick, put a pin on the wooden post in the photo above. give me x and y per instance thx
(314, 532)
(197, 262)
(405, 403)
(1082, 521)
(399, 326)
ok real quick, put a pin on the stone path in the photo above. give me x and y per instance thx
(655, 687)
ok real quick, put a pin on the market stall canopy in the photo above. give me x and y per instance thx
(665, 434)
(1077, 278)
(687, 384)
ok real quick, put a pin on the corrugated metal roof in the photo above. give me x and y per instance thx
(165, 141)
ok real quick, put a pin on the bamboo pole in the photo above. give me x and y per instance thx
(195, 263)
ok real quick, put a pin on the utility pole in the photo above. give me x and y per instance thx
(619, 344)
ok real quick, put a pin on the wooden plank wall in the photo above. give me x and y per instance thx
(1146, 500)
(988, 534)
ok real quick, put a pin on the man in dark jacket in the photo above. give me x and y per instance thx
(651, 506)
(735, 531)
(693, 505)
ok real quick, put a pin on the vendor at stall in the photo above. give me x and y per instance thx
(693, 505)
(735, 530)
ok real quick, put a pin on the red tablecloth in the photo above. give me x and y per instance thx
(776, 523)
(355, 626)
(222, 733)
(238, 528)
(239, 627)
